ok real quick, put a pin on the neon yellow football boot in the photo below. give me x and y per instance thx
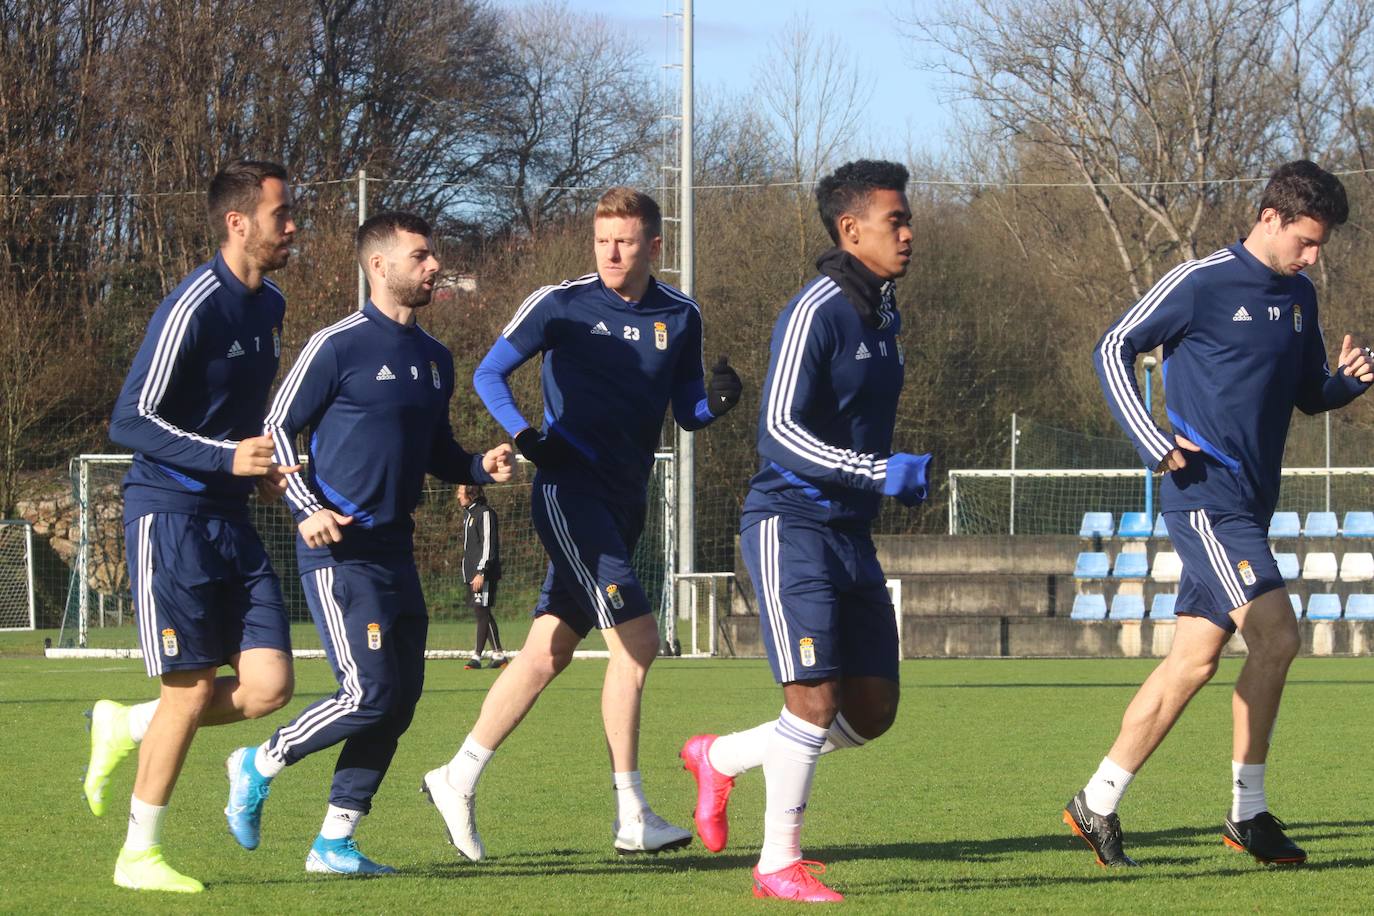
(110, 743)
(148, 871)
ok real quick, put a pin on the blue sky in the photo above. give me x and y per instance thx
(733, 38)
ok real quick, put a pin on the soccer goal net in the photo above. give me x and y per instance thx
(1053, 501)
(16, 576)
(100, 595)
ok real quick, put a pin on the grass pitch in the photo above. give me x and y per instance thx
(957, 809)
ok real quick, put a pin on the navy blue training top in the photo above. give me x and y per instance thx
(374, 395)
(829, 408)
(198, 385)
(1242, 347)
(610, 369)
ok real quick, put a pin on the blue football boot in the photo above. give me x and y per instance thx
(248, 789)
(342, 857)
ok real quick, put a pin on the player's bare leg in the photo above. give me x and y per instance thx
(452, 788)
(1272, 642)
(262, 682)
(1152, 712)
(184, 698)
(637, 829)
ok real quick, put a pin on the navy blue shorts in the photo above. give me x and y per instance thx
(1226, 561)
(204, 590)
(823, 602)
(590, 541)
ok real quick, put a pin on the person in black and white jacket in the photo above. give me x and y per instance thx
(482, 570)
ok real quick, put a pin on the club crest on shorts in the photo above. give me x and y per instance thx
(434, 372)
(374, 636)
(806, 647)
(613, 593)
(169, 643)
(276, 342)
(1297, 317)
(1247, 575)
(660, 335)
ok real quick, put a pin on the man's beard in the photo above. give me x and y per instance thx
(264, 252)
(406, 294)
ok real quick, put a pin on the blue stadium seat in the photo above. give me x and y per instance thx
(1161, 529)
(1288, 565)
(1131, 565)
(1090, 565)
(1089, 607)
(1284, 525)
(1359, 607)
(1358, 525)
(1320, 525)
(1133, 525)
(1323, 606)
(1162, 608)
(1096, 524)
(1296, 601)
(1128, 607)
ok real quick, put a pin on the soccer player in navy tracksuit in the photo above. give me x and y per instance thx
(204, 591)
(373, 390)
(835, 372)
(1242, 347)
(618, 347)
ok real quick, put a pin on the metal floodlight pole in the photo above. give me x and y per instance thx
(1011, 512)
(686, 490)
(362, 218)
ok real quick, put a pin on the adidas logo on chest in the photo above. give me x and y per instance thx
(1241, 315)
(235, 349)
(863, 351)
(385, 374)
(600, 329)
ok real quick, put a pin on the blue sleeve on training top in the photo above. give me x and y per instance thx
(690, 408)
(137, 425)
(307, 392)
(1318, 389)
(490, 382)
(798, 380)
(1161, 317)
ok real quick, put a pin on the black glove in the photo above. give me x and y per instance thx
(723, 391)
(546, 451)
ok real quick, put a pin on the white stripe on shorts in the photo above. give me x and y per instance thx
(146, 605)
(1216, 554)
(584, 575)
(770, 577)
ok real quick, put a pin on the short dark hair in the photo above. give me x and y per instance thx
(1303, 188)
(379, 230)
(236, 188)
(846, 190)
(631, 204)
(475, 492)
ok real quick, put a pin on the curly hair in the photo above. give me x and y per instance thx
(846, 190)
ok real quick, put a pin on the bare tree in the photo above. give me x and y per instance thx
(584, 114)
(1152, 105)
(814, 93)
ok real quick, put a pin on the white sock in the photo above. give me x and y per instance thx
(735, 753)
(789, 764)
(1103, 792)
(339, 823)
(139, 718)
(265, 763)
(145, 825)
(732, 754)
(630, 802)
(842, 735)
(467, 765)
(1247, 790)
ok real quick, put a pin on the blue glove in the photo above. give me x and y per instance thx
(906, 479)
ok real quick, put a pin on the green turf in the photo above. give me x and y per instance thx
(957, 809)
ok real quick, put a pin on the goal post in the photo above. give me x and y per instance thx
(16, 576)
(100, 591)
(1045, 501)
